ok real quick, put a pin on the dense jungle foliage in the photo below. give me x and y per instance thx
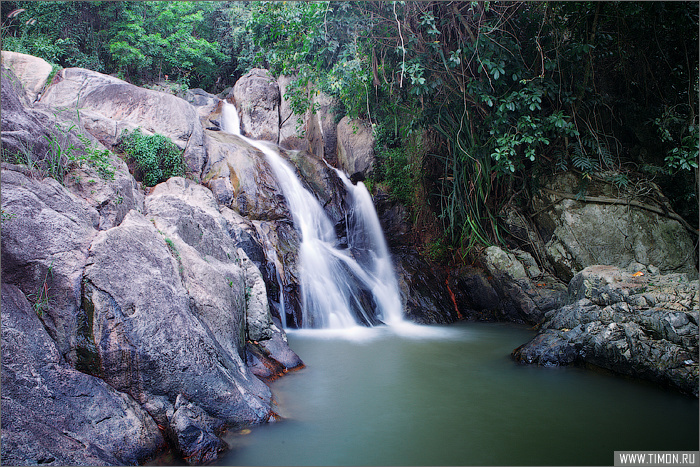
(472, 103)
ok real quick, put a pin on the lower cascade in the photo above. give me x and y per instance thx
(341, 287)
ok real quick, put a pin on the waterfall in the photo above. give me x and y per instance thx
(340, 288)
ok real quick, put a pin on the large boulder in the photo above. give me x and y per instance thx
(30, 135)
(46, 234)
(639, 324)
(241, 179)
(206, 105)
(43, 140)
(355, 147)
(108, 105)
(425, 295)
(492, 294)
(525, 292)
(55, 415)
(256, 96)
(33, 72)
(155, 341)
(293, 127)
(603, 228)
(226, 287)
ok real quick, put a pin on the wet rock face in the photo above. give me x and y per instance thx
(241, 179)
(424, 295)
(644, 326)
(55, 415)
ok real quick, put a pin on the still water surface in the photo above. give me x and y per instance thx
(452, 396)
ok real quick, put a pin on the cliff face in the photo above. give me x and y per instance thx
(129, 320)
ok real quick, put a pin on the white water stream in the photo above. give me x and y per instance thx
(337, 285)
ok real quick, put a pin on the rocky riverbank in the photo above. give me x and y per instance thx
(633, 322)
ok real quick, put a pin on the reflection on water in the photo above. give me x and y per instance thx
(416, 395)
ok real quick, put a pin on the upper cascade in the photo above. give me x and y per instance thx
(341, 287)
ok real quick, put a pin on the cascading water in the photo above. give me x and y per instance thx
(366, 240)
(340, 287)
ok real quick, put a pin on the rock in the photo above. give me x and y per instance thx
(355, 148)
(204, 102)
(241, 179)
(321, 128)
(153, 339)
(641, 326)
(195, 435)
(293, 127)
(272, 357)
(33, 72)
(394, 219)
(45, 245)
(499, 297)
(522, 299)
(108, 105)
(112, 198)
(529, 263)
(55, 415)
(580, 234)
(257, 99)
(27, 133)
(322, 181)
(280, 242)
(548, 349)
(499, 262)
(424, 298)
(258, 318)
(226, 288)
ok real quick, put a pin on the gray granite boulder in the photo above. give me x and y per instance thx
(55, 415)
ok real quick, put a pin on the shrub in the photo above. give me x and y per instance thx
(156, 156)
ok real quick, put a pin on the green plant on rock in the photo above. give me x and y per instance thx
(173, 249)
(40, 299)
(156, 156)
(7, 216)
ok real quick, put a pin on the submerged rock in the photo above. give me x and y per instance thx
(644, 326)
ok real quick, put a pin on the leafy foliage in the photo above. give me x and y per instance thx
(141, 41)
(506, 90)
(512, 89)
(156, 156)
